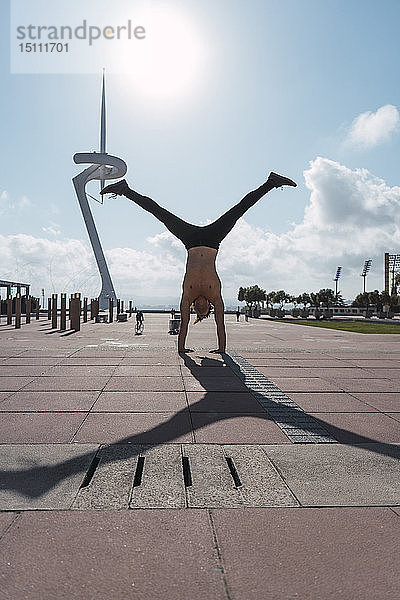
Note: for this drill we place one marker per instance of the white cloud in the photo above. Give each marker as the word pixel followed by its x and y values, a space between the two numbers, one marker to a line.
pixel 53 229
pixel 372 128
pixel 351 216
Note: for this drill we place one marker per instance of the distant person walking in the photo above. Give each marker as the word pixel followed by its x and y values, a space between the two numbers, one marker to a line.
pixel 238 315
pixel 201 284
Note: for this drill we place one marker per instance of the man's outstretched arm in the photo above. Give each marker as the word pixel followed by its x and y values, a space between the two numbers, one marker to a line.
pixel 219 310
pixel 185 316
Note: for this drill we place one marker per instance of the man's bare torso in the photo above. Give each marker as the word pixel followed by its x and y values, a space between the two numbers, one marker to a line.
pixel 201 278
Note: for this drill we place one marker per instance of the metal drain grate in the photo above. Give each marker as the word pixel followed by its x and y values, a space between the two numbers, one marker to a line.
pixel 296 424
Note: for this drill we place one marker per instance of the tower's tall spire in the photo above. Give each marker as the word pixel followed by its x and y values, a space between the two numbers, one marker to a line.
pixel 103 122
pixel 103 115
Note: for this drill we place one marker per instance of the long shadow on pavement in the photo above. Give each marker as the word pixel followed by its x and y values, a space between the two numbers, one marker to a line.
pixel 36 481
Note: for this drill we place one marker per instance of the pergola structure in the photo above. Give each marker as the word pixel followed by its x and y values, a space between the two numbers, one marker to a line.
pixel 15 284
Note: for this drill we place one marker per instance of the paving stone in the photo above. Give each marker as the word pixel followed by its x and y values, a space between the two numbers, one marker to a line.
pixel 6 518
pixel 377 363
pixel 32 361
pixel 156 360
pixel 339 475
pixel 321 363
pixel 341 373
pixel 387 373
pixel 95 361
pixel 45 476
pixel 329 402
pixel 367 385
pixel 212 483
pixel 162 483
pixel 111 484
pixel 66 384
pixel 384 401
pixel 236 428
pixel 80 371
pixel 272 372
pixel 331 554
pixel 88 353
pixel 310 384
pixel 148 371
pixel 140 402
pixel 22 370
pixel 49 401
pixel 135 428
pixel 261 484
pixel 222 402
pixel 111 554
pixel 360 427
pixel 161 355
pixel 214 384
pixel 45 353
pixel 11 384
pixel 361 356
pixel 144 384
pixel 39 428
pixel 200 372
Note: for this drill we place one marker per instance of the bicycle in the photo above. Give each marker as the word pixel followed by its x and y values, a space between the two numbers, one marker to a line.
pixel 139 327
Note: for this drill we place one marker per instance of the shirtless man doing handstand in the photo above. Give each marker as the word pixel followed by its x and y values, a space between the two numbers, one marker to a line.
pixel 201 284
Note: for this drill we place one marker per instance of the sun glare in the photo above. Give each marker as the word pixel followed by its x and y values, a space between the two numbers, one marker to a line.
pixel 170 61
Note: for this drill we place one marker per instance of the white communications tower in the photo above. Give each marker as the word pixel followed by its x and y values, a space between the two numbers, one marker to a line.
pixel 102 166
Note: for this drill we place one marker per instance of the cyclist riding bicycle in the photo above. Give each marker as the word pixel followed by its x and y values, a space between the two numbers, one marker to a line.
pixel 139 321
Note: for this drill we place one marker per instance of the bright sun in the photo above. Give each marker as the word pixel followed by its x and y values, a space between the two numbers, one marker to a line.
pixel 170 61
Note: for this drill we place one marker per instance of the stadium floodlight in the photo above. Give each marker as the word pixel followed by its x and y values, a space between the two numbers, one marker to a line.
pixel 393 267
pixel 366 268
pixel 336 279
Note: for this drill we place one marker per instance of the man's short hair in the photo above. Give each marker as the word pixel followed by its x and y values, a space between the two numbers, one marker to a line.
pixel 198 318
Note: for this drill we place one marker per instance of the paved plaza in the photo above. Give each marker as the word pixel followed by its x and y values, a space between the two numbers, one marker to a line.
pixel 128 471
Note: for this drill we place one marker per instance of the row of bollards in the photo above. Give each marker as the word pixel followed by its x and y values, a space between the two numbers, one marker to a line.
pixel 74 311
pixel 19 306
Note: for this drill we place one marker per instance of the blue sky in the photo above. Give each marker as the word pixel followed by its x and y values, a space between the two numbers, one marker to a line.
pixel 273 86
